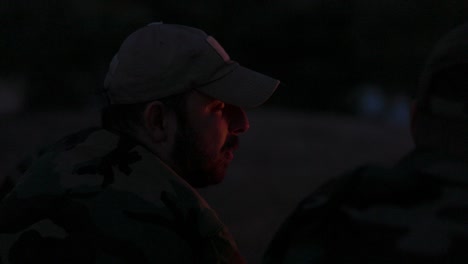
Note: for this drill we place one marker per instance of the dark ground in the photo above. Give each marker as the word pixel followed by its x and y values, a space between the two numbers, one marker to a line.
pixel 284 156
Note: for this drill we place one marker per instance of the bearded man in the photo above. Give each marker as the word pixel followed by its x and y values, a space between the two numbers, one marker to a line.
pixel 124 192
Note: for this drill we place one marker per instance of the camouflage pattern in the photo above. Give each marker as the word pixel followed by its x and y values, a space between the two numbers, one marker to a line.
pixel 416 212
pixel 95 197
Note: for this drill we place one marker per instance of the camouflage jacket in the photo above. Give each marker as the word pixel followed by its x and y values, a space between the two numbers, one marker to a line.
pixel 416 212
pixel 95 197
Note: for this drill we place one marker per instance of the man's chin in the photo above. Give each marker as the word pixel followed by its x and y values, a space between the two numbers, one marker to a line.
pixel 211 173
pixel 201 180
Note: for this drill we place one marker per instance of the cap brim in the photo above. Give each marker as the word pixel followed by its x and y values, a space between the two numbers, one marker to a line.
pixel 241 87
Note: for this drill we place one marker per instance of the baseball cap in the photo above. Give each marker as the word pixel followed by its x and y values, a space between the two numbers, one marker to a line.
pixel 160 60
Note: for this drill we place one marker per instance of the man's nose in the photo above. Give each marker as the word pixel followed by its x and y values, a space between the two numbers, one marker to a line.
pixel 238 120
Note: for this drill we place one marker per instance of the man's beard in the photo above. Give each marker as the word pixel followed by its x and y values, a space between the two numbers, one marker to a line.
pixel 197 167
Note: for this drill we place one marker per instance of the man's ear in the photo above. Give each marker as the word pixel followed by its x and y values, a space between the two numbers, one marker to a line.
pixel 154 118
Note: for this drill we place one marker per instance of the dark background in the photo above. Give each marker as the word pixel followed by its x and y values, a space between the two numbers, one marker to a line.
pixel 323 50
pixel 349 69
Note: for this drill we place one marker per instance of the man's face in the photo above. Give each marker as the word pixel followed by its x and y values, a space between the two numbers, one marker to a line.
pixel 206 138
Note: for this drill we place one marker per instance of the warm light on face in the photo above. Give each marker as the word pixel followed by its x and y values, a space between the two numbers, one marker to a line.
pixel 207 138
